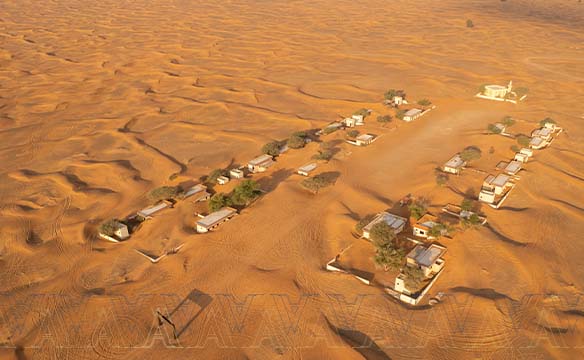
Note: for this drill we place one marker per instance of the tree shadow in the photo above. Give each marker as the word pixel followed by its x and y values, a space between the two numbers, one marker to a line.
pixel 270 183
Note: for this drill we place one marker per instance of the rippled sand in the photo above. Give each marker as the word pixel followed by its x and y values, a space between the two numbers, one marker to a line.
pixel 102 101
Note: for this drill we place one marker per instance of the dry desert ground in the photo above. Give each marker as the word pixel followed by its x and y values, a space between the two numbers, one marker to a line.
pixel 101 101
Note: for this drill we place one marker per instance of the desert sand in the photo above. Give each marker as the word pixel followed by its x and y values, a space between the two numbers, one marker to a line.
pixel 102 101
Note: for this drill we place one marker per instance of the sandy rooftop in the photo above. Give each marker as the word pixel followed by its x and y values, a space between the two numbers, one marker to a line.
pixel 101 101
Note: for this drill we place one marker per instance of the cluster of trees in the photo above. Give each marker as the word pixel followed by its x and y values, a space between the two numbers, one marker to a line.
pixel 317 182
pixel 165 193
pixel 242 195
pixel 272 148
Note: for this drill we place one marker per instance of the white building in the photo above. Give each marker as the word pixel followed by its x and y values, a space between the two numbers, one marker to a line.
pixel 412 114
pixel 307 169
pixel 424 225
pixel 197 192
pixel 260 164
pixel 544 133
pixel 364 139
pixel 359 119
pixel 211 221
pixel 222 180
pixel 454 165
pixel 236 174
pixel 498 91
pixel 495 187
pixel 429 259
pixel 538 143
pixel 147 213
pixel 523 155
pixel 397 223
pixel 121 231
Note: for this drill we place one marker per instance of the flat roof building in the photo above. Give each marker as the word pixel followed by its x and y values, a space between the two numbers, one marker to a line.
pixel 147 213
pixel 494 187
pixel 260 164
pixel 222 180
pixel 513 167
pixel 454 165
pixel 429 259
pixel 214 219
pixel 412 114
pixel 307 169
pixel 236 174
pixel 538 143
pixel 424 225
pixel 364 139
pixel 397 223
pixel 198 192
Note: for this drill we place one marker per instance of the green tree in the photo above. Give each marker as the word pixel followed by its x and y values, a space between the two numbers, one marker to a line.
pixel 424 102
pixel 400 114
pixel 382 235
pixel 466 205
pixel 469 23
pixel 523 140
pixel 325 151
pixel 389 258
pixel 418 208
pixel 384 119
pixel 470 153
pixel 353 133
pixel 508 121
pixel 413 277
pixel 546 121
pixel 441 178
pixel 219 201
pixel 315 183
pixel 297 140
pixel 165 193
pixel 494 129
pixel 437 230
pixel 245 192
pixel 472 220
pixel 272 148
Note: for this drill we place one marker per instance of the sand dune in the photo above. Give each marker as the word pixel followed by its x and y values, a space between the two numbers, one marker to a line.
pixel 103 101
